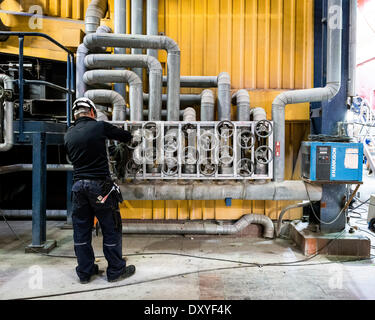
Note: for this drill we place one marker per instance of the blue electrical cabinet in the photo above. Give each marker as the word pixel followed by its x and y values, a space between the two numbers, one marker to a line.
pixel 332 161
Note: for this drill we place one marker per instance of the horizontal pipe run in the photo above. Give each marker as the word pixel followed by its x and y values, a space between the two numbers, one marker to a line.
pixel 29 167
pixel 286 190
pixel 202 228
pixel 27 214
pixel 195 81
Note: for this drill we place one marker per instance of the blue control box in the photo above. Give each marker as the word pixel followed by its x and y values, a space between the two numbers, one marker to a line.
pixel 332 161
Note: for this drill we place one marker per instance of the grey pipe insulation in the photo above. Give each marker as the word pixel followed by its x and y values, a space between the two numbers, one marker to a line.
pixel 148 42
pixel 203 228
pixel 152 23
pixel 96 10
pixel 334 50
pixel 241 98
pixel 121 60
pixel 136 28
pixel 7 83
pixel 121 76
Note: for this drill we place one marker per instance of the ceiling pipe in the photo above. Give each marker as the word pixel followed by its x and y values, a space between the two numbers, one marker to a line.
pixel 137 28
pixel 334 49
pixel 7 83
pixel 286 190
pixel 207 105
pixel 96 10
pixel 242 99
pixel 121 76
pixel 202 228
pixel 144 61
pixel 148 42
pixel 152 21
pixel 109 97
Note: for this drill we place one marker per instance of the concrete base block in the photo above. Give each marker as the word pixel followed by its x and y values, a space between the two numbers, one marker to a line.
pixel 346 244
pixel 45 248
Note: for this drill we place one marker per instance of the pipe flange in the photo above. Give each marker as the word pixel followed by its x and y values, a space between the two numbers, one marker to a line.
pixel 263 155
pixel 263 128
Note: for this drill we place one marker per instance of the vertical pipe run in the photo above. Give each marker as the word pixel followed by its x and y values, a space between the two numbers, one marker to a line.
pixel 352 48
pixel 152 23
pixel 120 27
pixel 137 28
pixel 224 97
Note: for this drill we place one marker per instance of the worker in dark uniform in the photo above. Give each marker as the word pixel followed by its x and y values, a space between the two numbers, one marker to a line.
pixel 94 193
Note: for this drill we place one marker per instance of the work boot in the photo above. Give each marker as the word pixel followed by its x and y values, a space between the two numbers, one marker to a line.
pixel 95 272
pixel 128 271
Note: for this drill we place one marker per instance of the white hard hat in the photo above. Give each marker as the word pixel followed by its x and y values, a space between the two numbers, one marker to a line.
pixel 83 103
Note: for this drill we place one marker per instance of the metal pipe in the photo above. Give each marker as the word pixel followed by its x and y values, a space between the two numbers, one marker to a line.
pixel 334 49
pixel 286 190
pixel 148 42
pixel 202 228
pixel 29 167
pixel 26 214
pixel 121 76
pixel 109 96
pixel 152 23
pixel 7 83
pixel 258 114
pixel 144 61
pixel 196 81
pixel 82 52
pixel 284 210
pixel 120 27
pixel 96 10
pixel 207 105
pixel 189 115
pixel 137 27
pixel 242 99
pixel 352 49
pixel 185 99
pixel 223 97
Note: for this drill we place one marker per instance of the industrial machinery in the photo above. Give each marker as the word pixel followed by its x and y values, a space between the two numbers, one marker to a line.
pixel 332 161
pixel 212 145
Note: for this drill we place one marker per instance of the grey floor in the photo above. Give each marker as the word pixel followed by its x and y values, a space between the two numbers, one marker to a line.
pixel 180 277
pixel 29 275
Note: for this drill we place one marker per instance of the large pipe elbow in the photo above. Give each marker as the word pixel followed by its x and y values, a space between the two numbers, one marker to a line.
pixel 112 97
pixel 9 111
pixel 242 99
pixel 96 10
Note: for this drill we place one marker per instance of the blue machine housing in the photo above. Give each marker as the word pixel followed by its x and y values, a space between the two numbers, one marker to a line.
pixel 332 161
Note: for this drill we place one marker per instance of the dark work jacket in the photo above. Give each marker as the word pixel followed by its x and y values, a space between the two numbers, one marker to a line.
pixel 85 143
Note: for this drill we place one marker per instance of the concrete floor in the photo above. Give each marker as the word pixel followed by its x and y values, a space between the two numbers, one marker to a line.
pixel 26 275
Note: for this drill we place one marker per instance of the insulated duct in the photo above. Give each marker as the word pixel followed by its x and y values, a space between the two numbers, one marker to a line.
pixel 334 49
pixel 82 52
pixel 242 99
pixel 7 83
pixel 109 96
pixel 120 27
pixel 202 228
pixel 121 76
pixel 207 105
pixel 144 61
pixel 286 190
pixel 223 97
pixel 152 23
pixel 96 10
pixel 137 27
pixel 148 42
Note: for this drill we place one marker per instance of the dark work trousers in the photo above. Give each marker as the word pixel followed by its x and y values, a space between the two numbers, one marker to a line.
pixel 85 206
